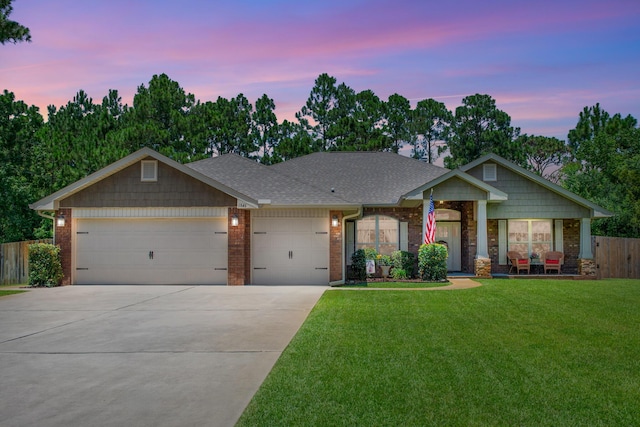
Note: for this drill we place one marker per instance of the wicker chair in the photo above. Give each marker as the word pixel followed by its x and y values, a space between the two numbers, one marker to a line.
pixel 552 261
pixel 518 262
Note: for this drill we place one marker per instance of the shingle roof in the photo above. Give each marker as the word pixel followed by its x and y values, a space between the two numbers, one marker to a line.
pixel 369 178
pixel 264 183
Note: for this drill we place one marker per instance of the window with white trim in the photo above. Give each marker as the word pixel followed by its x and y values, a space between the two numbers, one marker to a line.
pixel 378 232
pixel 530 236
pixel 148 170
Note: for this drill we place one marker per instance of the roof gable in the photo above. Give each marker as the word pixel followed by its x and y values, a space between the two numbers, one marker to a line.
pixel 597 211
pixel 51 202
pixel 492 193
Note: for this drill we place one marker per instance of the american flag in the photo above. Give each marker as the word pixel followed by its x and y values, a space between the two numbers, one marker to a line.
pixel 430 226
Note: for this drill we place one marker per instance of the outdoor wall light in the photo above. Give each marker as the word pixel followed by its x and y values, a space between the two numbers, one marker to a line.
pixel 234 220
pixel 60 221
pixel 334 221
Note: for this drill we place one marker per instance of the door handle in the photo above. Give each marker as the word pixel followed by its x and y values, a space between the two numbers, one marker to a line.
pixel 150 254
pixel 290 254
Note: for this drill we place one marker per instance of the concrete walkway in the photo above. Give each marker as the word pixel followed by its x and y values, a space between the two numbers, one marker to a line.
pixel 142 355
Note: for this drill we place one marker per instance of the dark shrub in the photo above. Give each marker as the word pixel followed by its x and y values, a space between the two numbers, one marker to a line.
pixel 359 264
pixel 45 268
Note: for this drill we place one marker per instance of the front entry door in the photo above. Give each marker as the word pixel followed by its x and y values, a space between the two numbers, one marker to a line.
pixel 449 233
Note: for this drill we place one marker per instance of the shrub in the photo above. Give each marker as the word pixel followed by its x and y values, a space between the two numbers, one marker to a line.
pixel 359 264
pixel 370 253
pixel 45 268
pixel 432 262
pixel 403 260
pixel 399 273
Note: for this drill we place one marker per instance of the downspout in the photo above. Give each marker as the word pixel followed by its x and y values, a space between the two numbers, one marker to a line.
pixel 53 226
pixel 344 248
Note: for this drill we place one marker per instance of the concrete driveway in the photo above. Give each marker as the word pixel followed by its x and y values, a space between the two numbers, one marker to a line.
pixel 142 355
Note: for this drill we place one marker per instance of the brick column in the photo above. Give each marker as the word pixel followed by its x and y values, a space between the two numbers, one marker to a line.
pixel 62 238
pixel 239 248
pixel 336 257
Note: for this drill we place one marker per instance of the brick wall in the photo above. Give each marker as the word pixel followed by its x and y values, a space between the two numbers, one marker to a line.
pixel 239 248
pixel 412 216
pixel 335 248
pixel 63 239
pixel 571 245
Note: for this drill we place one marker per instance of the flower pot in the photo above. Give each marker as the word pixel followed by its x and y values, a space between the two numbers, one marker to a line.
pixel 385 270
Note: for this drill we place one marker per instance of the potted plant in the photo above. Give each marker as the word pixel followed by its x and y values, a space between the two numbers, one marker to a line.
pixel 384 262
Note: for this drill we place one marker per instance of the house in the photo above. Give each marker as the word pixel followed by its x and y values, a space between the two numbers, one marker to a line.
pixel 147 219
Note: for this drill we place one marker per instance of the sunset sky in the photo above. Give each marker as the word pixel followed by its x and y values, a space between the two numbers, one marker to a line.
pixel 542 61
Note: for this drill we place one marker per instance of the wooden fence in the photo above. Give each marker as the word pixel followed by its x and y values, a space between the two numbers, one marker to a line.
pixel 617 257
pixel 14 262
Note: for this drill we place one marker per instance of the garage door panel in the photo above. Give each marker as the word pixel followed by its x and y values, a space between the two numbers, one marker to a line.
pixel 184 251
pixel 290 251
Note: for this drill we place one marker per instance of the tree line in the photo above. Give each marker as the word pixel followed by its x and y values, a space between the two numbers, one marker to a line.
pixel 600 160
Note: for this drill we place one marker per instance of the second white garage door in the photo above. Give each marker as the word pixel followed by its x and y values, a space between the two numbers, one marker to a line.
pixel 290 251
pixel 151 251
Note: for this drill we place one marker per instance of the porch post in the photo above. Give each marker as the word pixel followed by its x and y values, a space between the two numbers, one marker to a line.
pixel 585 239
pixel 482 248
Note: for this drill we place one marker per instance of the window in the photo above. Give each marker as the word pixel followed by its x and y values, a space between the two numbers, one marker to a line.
pixel 530 236
pixel 378 232
pixel 447 215
pixel 149 170
pixel 489 172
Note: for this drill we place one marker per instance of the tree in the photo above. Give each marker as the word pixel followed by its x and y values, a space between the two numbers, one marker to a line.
pixel 398 119
pixel 78 139
pixel 159 119
pixel 19 124
pixel 479 128
pixel 604 166
pixel 430 122
pixel 11 31
pixel 544 154
pixel 322 100
pixel 293 141
pixel 265 128
pixel 368 121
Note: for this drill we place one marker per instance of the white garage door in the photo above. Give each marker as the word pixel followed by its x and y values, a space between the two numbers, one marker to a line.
pixel 151 251
pixel 290 251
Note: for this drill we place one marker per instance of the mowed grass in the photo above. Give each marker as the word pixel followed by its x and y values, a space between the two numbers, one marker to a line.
pixel 404 285
pixel 512 352
pixel 9 292
pixel 4 291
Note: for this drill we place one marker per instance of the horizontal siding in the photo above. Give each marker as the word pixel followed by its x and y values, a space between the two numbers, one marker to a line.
pixel 290 213
pixel 196 212
pixel 457 189
pixel 528 199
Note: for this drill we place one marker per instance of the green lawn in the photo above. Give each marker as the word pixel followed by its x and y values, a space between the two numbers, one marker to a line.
pixel 9 292
pixel 4 291
pixel 387 285
pixel 512 352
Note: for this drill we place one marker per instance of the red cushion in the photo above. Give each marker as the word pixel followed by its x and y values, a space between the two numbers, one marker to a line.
pixel 553 261
pixel 523 261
